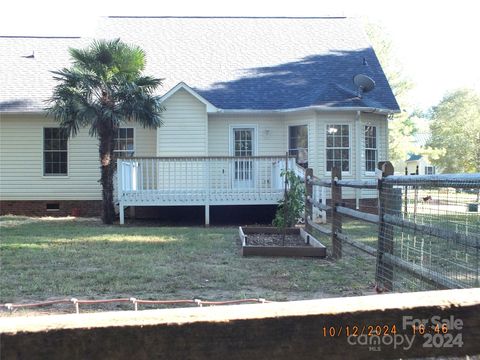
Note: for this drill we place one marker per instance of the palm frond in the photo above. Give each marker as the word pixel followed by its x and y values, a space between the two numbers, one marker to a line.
pixel 104 85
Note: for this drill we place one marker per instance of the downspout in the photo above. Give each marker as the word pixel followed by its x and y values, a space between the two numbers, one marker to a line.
pixel 358 157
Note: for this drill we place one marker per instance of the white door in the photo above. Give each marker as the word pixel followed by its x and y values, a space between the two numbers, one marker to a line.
pixel 243 145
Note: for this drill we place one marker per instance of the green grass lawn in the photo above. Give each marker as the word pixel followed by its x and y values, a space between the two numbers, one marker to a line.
pixel 49 259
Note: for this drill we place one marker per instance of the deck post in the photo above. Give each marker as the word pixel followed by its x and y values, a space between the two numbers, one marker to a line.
pixel 308 199
pixel 122 213
pixel 207 215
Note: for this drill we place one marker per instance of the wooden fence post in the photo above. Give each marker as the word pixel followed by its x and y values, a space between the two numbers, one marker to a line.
pixel 336 217
pixel 308 195
pixel 384 270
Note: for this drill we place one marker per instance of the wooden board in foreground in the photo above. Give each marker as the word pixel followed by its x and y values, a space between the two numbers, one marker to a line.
pixel 311 329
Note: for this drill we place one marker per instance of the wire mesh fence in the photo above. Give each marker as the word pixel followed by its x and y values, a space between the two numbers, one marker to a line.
pixel 434 226
pixel 423 230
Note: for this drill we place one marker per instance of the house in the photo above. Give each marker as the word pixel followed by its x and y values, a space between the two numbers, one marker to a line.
pixel 239 93
pixel 418 162
pixel 419 165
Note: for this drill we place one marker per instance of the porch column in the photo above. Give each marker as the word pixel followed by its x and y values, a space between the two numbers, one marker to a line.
pixel 207 215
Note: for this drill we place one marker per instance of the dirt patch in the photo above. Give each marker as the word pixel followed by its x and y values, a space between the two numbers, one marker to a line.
pixel 275 240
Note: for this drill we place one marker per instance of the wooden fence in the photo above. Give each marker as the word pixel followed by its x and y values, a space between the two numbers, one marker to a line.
pixel 367 327
pixel 389 219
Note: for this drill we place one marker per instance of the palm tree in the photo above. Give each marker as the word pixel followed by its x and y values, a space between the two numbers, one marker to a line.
pixel 103 89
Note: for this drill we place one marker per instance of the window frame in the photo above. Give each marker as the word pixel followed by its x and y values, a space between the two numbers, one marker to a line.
pixel 429 167
pixel 327 126
pixel 289 127
pixel 123 154
pixel 231 138
pixel 67 150
pixel 365 149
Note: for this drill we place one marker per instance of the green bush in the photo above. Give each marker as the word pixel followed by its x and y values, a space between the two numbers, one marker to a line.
pixel 294 202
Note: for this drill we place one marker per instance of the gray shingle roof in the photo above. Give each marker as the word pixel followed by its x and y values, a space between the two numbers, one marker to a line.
pixel 235 63
pixel 414 157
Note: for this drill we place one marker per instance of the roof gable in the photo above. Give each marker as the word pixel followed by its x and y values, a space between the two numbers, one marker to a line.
pixel 210 108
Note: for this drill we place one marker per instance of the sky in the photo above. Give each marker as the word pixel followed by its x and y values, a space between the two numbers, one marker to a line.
pixel 435 41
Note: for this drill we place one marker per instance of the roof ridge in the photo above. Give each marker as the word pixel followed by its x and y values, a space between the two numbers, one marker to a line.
pixel 37 37
pixel 222 17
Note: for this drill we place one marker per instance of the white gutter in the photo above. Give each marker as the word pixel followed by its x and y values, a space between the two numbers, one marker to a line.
pixel 306 108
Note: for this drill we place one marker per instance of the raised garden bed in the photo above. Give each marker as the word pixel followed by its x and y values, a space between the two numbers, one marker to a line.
pixel 267 241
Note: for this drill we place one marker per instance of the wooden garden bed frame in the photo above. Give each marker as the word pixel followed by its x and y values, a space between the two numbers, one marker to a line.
pixel 312 248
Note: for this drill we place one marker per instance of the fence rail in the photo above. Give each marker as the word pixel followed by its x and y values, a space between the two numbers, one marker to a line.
pixel 428 227
pixel 134 301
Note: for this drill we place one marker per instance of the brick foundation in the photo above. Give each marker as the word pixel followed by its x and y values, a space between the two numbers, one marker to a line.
pixel 84 208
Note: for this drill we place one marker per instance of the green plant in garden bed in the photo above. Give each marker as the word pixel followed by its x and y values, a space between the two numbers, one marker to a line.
pixel 292 206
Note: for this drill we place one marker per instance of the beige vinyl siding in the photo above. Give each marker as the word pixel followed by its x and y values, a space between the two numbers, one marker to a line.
pixel 270 135
pixel 184 130
pixel 270 141
pixel 145 140
pixel 21 161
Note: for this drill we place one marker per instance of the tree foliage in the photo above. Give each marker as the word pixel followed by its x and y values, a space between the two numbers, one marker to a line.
pixel 103 89
pixel 455 128
pixel 402 126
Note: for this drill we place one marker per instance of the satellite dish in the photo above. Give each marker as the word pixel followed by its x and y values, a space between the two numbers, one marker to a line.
pixel 364 84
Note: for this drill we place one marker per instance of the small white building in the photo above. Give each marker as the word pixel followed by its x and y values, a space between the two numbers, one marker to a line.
pixel 419 165
pixel 239 94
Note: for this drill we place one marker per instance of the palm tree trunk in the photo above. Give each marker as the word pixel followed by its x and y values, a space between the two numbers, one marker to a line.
pixel 107 166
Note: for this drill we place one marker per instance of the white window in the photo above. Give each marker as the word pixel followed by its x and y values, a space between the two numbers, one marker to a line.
pixel 298 143
pixel 371 151
pixel 338 147
pixel 55 152
pixel 429 170
pixel 124 142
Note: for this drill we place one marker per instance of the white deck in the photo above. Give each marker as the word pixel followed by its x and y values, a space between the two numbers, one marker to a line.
pixel 204 181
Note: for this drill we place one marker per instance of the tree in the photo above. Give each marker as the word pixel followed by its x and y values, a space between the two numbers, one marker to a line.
pixel 402 127
pixel 455 128
pixel 103 89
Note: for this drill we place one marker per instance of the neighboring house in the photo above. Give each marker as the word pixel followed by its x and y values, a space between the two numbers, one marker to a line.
pixel 239 93
pixel 419 165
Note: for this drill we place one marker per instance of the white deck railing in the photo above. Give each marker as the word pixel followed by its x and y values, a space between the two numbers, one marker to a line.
pixel 201 180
